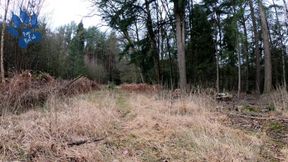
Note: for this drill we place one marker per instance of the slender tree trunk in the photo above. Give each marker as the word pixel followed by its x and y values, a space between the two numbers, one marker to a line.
pixel 217 73
pixel 245 43
pixel 286 14
pixel 218 53
pixel 217 62
pixel 153 43
pixel 286 24
pixel 256 50
pixel 267 52
pixel 239 66
pixel 282 46
pixel 2 71
pixel 134 49
pixel 171 63
pixel 180 36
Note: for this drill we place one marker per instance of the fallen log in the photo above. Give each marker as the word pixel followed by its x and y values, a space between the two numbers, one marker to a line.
pixel 81 142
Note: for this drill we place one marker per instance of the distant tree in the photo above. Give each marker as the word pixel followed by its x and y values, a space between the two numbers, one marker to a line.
pixel 200 56
pixel 267 52
pixel 2 71
pixel 112 53
pixel 214 11
pixel 76 53
pixel 281 40
pixel 152 39
pixel 256 44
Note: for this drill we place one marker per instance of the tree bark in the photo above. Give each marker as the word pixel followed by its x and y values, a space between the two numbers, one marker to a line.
pixel 2 70
pixel 239 65
pixel 256 50
pixel 180 36
pixel 170 62
pixel 267 52
pixel 282 46
pixel 286 14
pixel 152 38
pixel 219 52
pixel 245 43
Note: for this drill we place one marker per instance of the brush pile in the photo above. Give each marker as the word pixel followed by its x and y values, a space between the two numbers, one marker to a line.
pixel 24 91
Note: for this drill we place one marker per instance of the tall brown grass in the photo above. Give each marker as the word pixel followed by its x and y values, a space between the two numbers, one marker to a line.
pixel 133 126
pixel 186 129
pixel 279 99
pixel 45 135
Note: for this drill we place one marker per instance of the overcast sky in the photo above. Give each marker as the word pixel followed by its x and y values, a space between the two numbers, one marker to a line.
pixel 61 12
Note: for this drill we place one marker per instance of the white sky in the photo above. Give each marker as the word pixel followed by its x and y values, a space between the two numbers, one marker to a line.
pixel 61 12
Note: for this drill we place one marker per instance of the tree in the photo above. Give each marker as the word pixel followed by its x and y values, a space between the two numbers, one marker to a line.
pixel 200 48
pixel 152 40
pixel 267 52
pixel 256 44
pixel 179 13
pixel 214 9
pixel 2 71
pixel 112 52
pixel 245 46
pixel 281 39
pixel 76 53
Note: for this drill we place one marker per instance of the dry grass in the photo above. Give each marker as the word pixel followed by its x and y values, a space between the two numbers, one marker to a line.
pixel 44 136
pixel 25 91
pixel 279 99
pixel 135 127
pixel 187 130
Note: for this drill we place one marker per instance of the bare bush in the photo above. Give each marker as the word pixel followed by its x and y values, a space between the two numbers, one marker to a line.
pixel 25 91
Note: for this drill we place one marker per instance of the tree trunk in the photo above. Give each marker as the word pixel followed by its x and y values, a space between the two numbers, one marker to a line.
pixel 2 71
pixel 171 63
pixel 180 36
pixel 267 52
pixel 153 43
pixel 219 52
pixel 245 43
pixel 256 50
pixel 239 65
pixel 217 73
pixel 282 46
pixel 286 14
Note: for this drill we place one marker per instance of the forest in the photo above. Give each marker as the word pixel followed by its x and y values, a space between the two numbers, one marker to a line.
pixel 175 80
pixel 227 45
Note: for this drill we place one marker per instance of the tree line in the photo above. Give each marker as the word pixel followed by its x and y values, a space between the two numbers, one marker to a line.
pixel 227 44
pixel 230 45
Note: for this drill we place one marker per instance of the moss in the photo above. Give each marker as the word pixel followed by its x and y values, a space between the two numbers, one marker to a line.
pixel 249 108
pixel 276 127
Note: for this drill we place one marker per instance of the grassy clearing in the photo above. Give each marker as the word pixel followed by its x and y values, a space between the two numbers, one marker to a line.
pixel 117 126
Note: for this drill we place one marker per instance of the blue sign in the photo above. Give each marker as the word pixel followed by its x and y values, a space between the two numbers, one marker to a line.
pixel 23 27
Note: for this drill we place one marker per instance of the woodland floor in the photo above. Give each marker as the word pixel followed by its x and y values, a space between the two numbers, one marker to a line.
pixel 120 126
pixel 254 115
